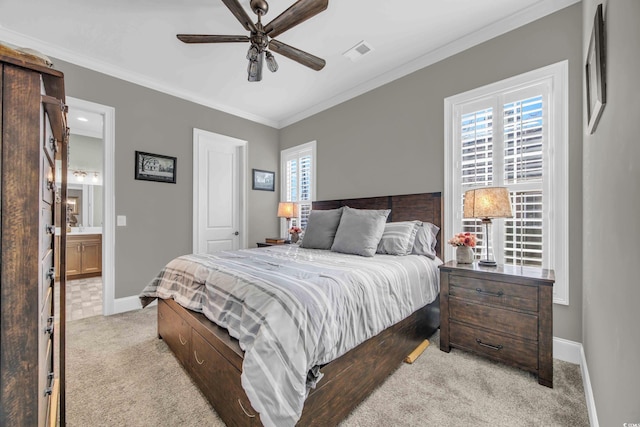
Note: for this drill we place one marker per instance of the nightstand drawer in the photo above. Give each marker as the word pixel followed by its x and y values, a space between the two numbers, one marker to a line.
pixel 501 320
pixel 492 292
pixel 506 349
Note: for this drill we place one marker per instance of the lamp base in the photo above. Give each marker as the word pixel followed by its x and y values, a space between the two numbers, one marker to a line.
pixel 487 263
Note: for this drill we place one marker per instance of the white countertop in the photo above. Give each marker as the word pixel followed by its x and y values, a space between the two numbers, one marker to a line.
pixel 82 230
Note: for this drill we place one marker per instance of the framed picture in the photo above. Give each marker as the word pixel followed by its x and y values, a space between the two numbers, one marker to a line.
pixel 155 167
pixel 263 180
pixel 595 73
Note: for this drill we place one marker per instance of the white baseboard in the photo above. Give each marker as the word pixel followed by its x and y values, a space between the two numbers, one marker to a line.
pixel 573 352
pixel 121 305
pixel 568 351
pixel 588 392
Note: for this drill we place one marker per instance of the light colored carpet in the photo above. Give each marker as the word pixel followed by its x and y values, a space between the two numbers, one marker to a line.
pixel 120 374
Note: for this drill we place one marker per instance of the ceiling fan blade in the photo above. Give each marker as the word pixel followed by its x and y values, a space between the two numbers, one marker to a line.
pixel 203 38
pixel 299 12
pixel 297 55
pixel 240 14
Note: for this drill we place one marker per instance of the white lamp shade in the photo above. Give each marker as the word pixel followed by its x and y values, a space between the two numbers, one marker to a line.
pixel 287 210
pixel 487 202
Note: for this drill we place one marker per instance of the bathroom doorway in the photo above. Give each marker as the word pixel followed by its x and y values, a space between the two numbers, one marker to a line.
pixel 90 188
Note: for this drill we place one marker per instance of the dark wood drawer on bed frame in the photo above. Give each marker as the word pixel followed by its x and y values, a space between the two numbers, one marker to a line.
pixel 205 359
pixel 175 331
pixel 212 353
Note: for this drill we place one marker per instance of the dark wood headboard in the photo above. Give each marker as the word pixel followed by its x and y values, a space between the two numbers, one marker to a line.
pixel 423 206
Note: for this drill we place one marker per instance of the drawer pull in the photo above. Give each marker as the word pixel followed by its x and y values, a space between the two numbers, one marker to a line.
pixel 493 294
pixel 49 328
pixel 53 143
pixel 492 347
pixel 245 411
pixel 49 389
pixel 196 356
pixel 181 341
pixel 51 185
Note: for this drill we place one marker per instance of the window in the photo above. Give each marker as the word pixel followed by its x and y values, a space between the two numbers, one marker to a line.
pixel 514 134
pixel 298 184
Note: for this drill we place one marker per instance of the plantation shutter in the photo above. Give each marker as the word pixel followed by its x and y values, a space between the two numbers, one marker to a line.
pixel 514 134
pixel 298 180
pixel 524 137
pixel 507 150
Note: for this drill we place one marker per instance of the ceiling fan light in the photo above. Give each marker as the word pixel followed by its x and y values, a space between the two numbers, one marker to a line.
pixel 271 62
pixel 252 53
pixel 252 69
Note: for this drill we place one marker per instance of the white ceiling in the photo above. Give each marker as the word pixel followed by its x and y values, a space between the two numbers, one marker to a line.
pixel 135 40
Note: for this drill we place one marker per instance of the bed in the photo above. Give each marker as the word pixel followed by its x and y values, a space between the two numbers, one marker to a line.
pixel 344 374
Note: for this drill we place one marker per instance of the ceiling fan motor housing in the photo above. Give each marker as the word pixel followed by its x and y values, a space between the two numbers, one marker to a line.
pixel 259 7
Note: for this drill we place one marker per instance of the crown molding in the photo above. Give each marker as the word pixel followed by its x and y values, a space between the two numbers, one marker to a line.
pixel 523 17
pixel 97 65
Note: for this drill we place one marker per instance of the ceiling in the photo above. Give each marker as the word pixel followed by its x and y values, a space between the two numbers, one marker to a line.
pixel 136 40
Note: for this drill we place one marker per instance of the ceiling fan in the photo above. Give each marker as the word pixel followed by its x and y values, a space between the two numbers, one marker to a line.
pixel 262 37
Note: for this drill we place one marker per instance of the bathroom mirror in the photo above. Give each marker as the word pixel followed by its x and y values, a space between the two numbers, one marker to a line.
pixel 85 171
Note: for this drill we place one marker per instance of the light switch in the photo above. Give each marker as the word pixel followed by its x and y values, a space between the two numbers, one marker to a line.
pixel 122 220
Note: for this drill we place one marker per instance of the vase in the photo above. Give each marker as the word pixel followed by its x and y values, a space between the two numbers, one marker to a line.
pixel 295 237
pixel 464 254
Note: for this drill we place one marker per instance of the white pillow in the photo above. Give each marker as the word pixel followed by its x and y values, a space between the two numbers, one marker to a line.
pixel 425 243
pixel 398 237
pixel 360 231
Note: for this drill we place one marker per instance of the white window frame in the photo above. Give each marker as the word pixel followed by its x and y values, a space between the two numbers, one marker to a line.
pixel 288 154
pixel 555 161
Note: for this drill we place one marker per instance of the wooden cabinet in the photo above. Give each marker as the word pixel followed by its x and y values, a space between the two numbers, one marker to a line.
pixel 503 313
pixel 84 255
pixel 33 137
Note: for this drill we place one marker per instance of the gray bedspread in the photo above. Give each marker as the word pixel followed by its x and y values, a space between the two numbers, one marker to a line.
pixel 294 309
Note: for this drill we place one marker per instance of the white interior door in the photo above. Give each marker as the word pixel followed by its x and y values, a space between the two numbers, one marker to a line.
pixel 218 196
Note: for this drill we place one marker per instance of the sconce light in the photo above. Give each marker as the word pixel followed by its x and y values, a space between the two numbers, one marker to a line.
pixel 95 177
pixel 80 175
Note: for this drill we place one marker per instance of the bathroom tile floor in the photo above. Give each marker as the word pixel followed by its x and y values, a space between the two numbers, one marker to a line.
pixel 84 298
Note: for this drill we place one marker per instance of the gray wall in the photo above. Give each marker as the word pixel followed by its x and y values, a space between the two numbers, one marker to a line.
pixel 390 140
pixel 159 216
pixel 611 320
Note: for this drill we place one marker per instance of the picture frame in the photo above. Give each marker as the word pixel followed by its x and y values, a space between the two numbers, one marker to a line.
pixel 595 69
pixel 155 167
pixel 263 180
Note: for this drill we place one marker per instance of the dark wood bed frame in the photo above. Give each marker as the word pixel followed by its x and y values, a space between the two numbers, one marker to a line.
pixel 214 360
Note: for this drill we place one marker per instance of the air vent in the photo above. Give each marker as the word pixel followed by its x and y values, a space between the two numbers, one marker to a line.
pixel 358 51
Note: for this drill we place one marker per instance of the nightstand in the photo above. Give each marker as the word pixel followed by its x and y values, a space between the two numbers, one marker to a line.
pixel 270 241
pixel 503 313
pixel 264 245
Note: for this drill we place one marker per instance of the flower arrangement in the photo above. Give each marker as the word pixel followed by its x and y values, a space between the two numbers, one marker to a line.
pixel 295 230
pixel 463 239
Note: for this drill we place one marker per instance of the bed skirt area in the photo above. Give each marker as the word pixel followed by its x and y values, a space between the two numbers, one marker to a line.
pixel 213 360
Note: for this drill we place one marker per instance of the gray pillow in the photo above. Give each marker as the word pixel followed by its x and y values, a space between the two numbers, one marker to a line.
pixel 425 243
pixel 360 231
pixel 321 228
pixel 398 237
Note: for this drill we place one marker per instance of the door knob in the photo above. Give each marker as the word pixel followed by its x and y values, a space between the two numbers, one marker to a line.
pixel 236 233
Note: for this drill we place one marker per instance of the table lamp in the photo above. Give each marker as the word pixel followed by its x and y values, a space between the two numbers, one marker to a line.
pixel 287 210
pixel 486 203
